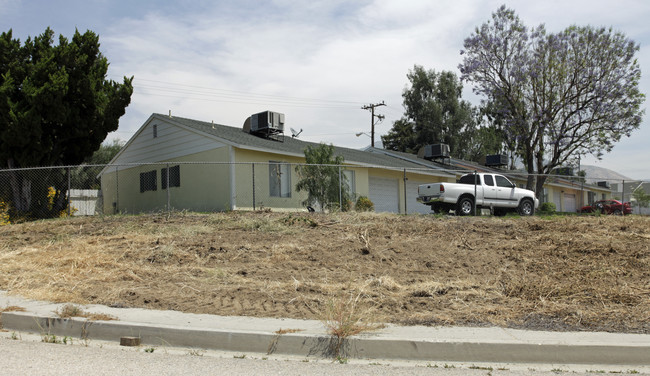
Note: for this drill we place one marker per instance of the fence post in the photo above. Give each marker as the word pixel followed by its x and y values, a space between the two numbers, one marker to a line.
pixel 117 191
pixel 623 192
pixel 475 188
pixel 253 170
pixel 69 201
pixel 169 208
pixel 340 191
pixel 405 194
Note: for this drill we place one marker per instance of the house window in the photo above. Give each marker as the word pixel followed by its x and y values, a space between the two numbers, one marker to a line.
pixel 279 179
pixel 174 177
pixel 155 130
pixel 148 181
pixel 348 180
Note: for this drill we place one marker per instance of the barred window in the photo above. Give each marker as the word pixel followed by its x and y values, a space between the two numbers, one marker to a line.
pixel 148 181
pixel 174 177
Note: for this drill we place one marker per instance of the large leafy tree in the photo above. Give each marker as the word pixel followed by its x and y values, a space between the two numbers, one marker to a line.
pixel 434 112
pixel 56 108
pixel 558 95
pixel 321 177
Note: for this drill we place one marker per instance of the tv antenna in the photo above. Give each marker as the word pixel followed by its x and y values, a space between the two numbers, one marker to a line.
pixel 294 133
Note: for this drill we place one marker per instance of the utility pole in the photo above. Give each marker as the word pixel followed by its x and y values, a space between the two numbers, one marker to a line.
pixel 371 107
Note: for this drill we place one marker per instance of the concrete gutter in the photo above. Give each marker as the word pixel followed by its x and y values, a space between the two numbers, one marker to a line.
pixel 309 338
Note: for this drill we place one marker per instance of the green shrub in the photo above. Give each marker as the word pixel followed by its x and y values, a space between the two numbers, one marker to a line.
pixel 364 204
pixel 4 213
pixel 547 208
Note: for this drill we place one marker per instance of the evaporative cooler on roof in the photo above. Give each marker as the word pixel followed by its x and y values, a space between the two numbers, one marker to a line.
pixel 435 151
pixel 267 124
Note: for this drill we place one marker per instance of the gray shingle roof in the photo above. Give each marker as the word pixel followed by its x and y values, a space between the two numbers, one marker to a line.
pixel 293 146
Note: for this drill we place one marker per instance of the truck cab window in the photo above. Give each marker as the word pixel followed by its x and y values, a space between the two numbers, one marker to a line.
pixel 470 179
pixel 503 182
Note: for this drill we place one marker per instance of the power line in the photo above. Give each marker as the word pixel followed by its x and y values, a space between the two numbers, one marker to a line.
pixel 234 96
pixel 246 101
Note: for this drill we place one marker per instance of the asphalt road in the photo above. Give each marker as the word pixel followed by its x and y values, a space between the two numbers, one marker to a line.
pixel 25 354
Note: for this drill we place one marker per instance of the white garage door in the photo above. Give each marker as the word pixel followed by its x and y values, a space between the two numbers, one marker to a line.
pixel 412 205
pixel 569 203
pixel 384 192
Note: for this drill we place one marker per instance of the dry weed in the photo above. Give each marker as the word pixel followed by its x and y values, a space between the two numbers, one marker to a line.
pixel 12 309
pixel 585 273
pixel 346 316
pixel 71 310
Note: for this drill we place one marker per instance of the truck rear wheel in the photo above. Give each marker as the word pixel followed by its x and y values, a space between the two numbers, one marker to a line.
pixel 526 207
pixel 465 206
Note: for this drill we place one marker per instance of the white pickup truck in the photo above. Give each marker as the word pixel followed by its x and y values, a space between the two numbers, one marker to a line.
pixel 485 190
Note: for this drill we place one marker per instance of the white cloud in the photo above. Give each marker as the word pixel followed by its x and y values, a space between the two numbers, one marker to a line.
pixel 231 58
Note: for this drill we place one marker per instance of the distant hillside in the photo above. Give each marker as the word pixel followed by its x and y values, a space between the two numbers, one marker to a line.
pixel 596 174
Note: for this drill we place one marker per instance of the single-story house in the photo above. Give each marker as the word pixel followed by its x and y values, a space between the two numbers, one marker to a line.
pixel 174 162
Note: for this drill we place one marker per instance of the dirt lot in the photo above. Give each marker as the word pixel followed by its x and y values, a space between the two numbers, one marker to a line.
pixel 555 273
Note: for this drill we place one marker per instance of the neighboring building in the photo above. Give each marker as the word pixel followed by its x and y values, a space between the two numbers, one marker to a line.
pixel 624 191
pixel 568 195
pixel 212 167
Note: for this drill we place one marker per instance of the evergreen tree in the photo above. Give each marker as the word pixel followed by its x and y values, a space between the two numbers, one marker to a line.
pixel 56 108
pixel 434 112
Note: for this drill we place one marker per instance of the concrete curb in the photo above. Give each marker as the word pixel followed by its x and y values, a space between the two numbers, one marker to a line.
pixel 536 349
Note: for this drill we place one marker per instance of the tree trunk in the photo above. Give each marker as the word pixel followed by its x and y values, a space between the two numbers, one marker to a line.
pixel 530 168
pixel 21 189
pixel 539 187
pixel 541 179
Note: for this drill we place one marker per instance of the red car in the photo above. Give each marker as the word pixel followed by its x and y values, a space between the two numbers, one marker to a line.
pixel 608 207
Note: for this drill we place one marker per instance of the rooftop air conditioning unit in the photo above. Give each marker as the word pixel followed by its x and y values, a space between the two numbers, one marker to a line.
pixel 604 184
pixel 435 151
pixel 565 171
pixel 496 160
pixel 267 121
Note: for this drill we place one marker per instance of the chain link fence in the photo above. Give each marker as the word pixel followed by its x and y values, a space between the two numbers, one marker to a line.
pixel 48 192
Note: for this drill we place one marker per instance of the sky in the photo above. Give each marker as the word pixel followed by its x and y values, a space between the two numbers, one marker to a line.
pixel 318 62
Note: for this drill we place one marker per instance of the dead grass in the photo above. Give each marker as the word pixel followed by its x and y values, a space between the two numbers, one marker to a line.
pixel 71 310
pixel 555 273
pixel 12 309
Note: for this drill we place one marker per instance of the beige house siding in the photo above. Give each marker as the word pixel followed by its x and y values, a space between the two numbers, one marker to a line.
pixel 170 144
pixel 203 187
pixel 244 181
